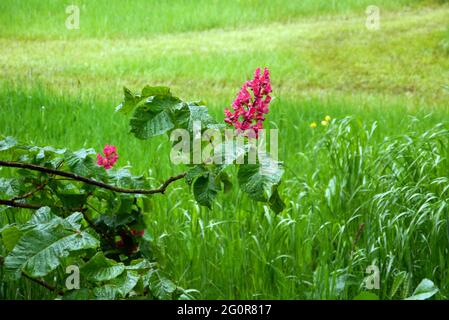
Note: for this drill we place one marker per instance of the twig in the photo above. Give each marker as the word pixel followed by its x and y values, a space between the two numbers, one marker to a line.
pixel 13 203
pixel 30 193
pixel 92 224
pixel 44 284
pixel 74 176
pixel 38 188
pixel 38 281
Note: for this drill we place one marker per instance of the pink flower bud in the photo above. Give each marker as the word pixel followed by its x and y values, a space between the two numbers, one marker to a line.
pixel 110 157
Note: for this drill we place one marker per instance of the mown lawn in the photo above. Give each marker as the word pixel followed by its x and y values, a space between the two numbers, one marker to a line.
pixel 371 188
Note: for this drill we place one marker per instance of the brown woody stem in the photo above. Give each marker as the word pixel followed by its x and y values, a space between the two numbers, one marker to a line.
pixel 13 203
pixel 74 176
pixel 38 281
pixel 44 284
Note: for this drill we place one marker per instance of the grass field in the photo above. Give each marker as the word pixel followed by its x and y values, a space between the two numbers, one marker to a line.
pixel 382 163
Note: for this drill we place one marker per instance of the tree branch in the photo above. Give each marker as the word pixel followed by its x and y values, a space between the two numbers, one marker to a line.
pixel 29 194
pixel 38 281
pixel 13 203
pixel 44 284
pixel 74 176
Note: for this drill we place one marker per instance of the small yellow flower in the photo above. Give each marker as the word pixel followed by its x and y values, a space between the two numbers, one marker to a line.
pixel 324 123
pixel 313 125
pixel 328 119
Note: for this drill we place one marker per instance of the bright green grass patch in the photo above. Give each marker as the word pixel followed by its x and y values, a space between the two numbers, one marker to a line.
pixel 328 57
pixel 33 19
pixel 445 41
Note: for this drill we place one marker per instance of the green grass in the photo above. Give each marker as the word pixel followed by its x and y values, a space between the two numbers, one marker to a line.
pixel 60 88
pixel 140 18
pixel 331 56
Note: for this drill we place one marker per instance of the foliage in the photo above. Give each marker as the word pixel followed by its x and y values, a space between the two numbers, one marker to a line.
pixel 92 216
pixel 156 111
pixel 425 290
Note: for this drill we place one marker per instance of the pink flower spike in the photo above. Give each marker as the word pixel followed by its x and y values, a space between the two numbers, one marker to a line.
pixel 249 109
pixel 110 157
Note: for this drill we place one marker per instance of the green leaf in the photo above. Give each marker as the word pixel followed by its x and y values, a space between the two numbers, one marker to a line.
pixel 224 178
pixel 120 286
pixel 7 143
pixel 10 236
pixel 201 113
pixel 205 190
pixel 123 178
pixel 260 180
pixel 276 203
pixel 72 201
pixel 9 187
pixel 139 264
pixel 184 114
pixel 123 211
pixel 154 117
pixel 397 282
pixel 41 218
pixel 128 104
pixel 131 101
pixel 425 290
pixel 81 163
pixel 181 115
pixel 195 172
pixel 42 151
pixel 162 287
pixel 117 220
pixel 366 295
pixel 148 91
pixel 126 282
pixel 73 221
pixel 100 268
pixel 106 292
pixel 78 294
pixel 41 249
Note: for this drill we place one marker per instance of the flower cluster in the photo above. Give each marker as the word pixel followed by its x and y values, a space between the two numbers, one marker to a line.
pixel 110 157
pixel 128 240
pixel 135 232
pixel 249 110
pixel 324 122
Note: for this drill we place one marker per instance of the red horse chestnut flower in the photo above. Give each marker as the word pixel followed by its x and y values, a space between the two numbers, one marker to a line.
pixel 110 157
pixel 120 243
pixel 135 232
pixel 249 110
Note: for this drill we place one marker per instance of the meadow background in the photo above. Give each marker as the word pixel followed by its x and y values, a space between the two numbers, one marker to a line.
pixel 370 188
